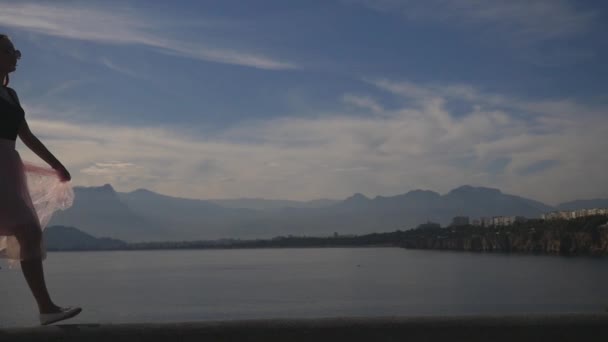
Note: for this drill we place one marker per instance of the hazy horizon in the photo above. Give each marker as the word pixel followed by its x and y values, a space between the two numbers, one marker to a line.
pixel 331 199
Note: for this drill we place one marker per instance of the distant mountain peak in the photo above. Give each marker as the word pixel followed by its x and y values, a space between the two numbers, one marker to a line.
pixel 107 188
pixel 142 191
pixel 357 198
pixel 469 189
pixel 413 195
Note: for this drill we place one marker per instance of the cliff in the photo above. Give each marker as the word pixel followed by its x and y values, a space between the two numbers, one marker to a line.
pixel 584 236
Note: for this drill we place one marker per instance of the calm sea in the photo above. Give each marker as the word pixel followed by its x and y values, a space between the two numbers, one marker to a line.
pixel 192 285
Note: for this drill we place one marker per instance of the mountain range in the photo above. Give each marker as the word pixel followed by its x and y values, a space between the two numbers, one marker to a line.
pixel 143 215
pixel 70 238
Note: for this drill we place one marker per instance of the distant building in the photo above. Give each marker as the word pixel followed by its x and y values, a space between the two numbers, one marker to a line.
pixel 569 215
pixel 487 222
pixel 557 215
pixel 498 221
pixel 507 220
pixel 460 221
pixel 476 222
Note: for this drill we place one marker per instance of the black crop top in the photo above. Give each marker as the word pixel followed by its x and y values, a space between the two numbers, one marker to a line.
pixel 11 116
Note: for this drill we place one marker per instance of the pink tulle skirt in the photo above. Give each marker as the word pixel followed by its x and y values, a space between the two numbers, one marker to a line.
pixel 29 195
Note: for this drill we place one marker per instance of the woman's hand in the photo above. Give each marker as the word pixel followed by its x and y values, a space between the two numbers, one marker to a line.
pixel 63 173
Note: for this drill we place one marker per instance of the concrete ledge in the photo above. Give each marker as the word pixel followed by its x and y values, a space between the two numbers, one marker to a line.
pixel 567 327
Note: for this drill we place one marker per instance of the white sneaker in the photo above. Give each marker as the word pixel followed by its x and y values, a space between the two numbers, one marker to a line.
pixel 65 313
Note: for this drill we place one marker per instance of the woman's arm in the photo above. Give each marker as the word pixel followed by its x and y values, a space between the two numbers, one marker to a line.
pixel 32 142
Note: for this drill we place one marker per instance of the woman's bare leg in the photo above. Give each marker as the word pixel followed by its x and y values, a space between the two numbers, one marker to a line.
pixel 34 275
pixel 29 238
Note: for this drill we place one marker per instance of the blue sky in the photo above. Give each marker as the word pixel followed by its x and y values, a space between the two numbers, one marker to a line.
pixel 318 99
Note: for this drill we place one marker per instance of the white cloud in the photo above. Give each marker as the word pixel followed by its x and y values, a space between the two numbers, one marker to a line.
pixel 122 27
pixel 421 145
pixel 113 66
pixel 117 172
pixel 105 168
pixel 364 102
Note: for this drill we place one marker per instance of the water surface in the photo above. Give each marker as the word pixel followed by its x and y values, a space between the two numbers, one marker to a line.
pixel 193 285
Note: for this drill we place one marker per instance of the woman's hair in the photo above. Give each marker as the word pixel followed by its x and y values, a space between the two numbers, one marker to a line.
pixel 6 78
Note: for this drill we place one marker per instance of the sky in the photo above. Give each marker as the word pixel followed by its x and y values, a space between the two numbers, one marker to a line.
pixel 309 99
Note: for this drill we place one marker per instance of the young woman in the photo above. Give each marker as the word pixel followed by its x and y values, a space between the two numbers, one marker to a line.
pixel 22 221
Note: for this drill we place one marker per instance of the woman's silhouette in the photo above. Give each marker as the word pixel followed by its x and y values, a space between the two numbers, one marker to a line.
pixel 20 223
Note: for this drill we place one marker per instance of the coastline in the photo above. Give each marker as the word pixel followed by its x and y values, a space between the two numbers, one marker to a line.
pixel 581 237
